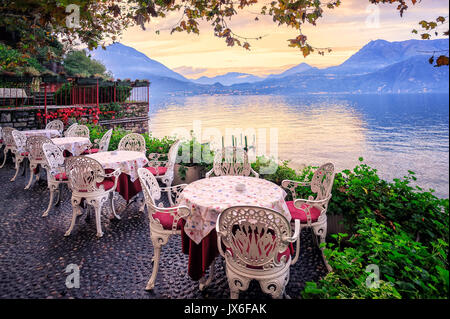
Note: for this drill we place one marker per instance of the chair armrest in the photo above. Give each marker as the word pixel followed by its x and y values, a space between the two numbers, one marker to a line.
pixel 292 185
pixel 296 234
pixel 320 204
pixel 219 240
pixel 208 174
pixel 299 202
pixel 115 174
pixel 254 172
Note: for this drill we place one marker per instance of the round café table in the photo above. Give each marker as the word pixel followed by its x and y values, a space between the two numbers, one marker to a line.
pixel 74 145
pixel 129 162
pixel 207 198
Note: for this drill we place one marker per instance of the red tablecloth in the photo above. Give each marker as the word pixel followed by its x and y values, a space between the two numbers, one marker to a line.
pixel 200 255
pixel 125 187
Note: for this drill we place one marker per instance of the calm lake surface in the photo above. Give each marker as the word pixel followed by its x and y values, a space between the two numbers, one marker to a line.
pixel 393 133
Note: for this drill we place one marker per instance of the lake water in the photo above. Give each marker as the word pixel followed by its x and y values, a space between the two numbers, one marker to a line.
pixel 393 133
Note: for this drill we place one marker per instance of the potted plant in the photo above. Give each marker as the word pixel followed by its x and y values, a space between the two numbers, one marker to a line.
pixel 189 167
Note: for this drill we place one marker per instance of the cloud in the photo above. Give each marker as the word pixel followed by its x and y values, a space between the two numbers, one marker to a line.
pixel 189 71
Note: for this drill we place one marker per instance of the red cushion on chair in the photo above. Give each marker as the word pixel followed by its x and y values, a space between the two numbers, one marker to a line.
pixel 157 171
pixel 91 151
pixel 300 213
pixel 107 183
pixel 24 154
pixel 61 177
pixel 166 220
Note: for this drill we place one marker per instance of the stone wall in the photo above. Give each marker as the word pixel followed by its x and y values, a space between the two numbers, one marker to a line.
pixel 24 118
pixel 132 124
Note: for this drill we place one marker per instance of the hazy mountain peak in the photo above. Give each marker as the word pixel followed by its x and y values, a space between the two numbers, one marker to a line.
pixel 126 62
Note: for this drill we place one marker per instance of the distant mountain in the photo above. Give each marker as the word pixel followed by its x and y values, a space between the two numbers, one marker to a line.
pixel 413 75
pixel 229 78
pixel 302 67
pixel 379 67
pixel 381 53
pixel 126 62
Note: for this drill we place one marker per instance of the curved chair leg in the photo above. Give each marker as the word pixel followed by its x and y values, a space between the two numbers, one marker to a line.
pixel 98 214
pixel 53 188
pixel 206 282
pixel 322 233
pixel 275 286
pixel 18 161
pixel 59 198
pixel 5 153
pixel 75 213
pixel 236 282
pixel 111 203
pixel 297 249
pixel 156 256
pixel 30 181
pixel 234 294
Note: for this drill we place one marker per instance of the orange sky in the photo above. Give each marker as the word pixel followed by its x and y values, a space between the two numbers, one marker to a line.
pixel 345 29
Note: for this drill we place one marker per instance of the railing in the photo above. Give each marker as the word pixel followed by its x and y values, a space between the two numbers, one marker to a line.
pixel 71 92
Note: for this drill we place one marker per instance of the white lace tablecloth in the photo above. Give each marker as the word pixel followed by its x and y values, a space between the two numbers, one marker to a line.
pixel 208 197
pixel 46 133
pixel 75 145
pixel 129 162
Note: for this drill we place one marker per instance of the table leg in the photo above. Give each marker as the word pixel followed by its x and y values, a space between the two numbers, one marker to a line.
pixel 205 282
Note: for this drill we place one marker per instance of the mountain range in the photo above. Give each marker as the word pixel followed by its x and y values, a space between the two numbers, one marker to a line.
pixel 378 67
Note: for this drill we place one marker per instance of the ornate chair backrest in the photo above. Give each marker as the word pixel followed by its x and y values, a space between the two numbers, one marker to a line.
pixel 55 125
pixel 69 130
pixel 132 142
pixel 231 161
pixel 150 188
pixel 84 174
pixel 322 181
pixel 79 131
pixel 20 141
pixel 103 145
pixel 34 147
pixel 255 236
pixel 172 155
pixel 8 139
pixel 55 158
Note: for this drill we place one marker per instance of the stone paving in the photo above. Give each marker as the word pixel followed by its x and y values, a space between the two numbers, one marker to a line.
pixel 34 253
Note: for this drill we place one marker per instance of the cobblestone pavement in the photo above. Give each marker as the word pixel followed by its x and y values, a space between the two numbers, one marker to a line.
pixel 34 253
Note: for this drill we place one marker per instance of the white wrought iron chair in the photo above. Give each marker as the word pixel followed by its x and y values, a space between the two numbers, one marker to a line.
pixel 164 222
pixel 56 172
pixel 55 125
pixel 132 142
pixel 256 242
pixel 164 169
pixel 79 131
pixel 231 160
pixel 312 212
pixel 9 143
pixel 36 156
pixel 103 144
pixel 88 181
pixel 69 130
pixel 19 151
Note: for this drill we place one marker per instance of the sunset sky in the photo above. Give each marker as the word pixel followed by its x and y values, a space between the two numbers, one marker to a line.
pixel 345 29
